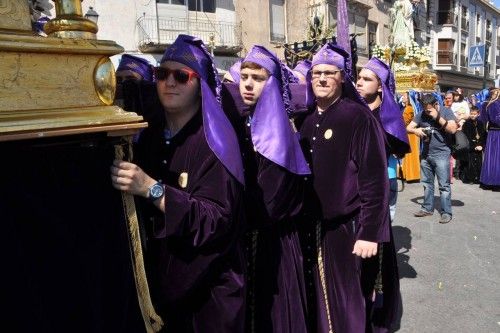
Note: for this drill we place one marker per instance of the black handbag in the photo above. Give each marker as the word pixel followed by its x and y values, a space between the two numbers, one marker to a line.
pixel 460 146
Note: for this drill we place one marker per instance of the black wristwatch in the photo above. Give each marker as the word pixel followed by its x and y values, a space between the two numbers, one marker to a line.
pixel 156 191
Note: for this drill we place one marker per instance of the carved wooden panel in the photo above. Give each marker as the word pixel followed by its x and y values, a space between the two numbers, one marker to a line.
pixel 31 81
pixel 14 15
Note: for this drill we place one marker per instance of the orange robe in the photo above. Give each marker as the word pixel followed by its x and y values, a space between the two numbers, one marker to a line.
pixel 411 161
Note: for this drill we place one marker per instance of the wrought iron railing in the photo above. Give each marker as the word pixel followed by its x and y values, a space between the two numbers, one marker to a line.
pixel 446 58
pixel 447 17
pixel 164 31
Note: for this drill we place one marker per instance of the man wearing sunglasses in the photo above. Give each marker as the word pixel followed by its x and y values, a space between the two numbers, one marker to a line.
pixel 347 196
pixel 188 177
pixel 274 170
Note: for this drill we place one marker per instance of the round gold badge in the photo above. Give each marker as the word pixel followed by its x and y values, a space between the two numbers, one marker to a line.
pixel 183 179
pixel 328 134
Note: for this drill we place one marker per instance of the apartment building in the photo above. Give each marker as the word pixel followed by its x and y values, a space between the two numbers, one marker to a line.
pixel 146 28
pixel 453 27
pixel 231 27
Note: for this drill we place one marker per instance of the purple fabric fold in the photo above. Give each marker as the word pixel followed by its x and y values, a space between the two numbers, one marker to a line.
pixel 272 134
pixel 219 133
pixel 234 71
pixel 390 114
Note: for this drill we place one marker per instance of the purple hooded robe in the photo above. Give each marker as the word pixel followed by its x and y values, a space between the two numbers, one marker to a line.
pixel 347 201
pixel 274 176
pixel 195 254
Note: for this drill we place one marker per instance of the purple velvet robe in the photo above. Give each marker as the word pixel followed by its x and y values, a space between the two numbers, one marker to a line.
pixel 273 199
pixel 195 255
pixel 490 171
pixel 349 195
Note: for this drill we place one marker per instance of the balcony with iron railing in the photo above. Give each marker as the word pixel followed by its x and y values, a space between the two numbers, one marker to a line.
pixel 445 57
pixel 465 25
pixel 447 17
pixel 155 34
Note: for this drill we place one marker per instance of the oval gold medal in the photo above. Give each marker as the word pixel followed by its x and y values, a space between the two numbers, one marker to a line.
pixel 183 179
pixel 328 134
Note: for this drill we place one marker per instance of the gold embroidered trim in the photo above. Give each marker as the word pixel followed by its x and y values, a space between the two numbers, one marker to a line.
pixel 253 268
pixel 322 277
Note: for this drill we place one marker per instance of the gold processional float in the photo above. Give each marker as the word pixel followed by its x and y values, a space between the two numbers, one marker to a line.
pixel 58 128
pixel 410 64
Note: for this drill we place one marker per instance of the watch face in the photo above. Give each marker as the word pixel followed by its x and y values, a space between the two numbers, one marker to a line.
pixel 156 191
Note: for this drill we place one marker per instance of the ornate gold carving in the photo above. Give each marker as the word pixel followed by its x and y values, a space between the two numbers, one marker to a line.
pixel 44 81
pixel 69 22
pixel 40 123
pixel 14 15
pixel 419 80
pixel 55 86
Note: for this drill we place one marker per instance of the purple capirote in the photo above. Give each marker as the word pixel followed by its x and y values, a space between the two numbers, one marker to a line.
pixel 303 67
pixel 331 54
pixel 272 134
pixel 191 51
pixel 390 113
pixel 138 65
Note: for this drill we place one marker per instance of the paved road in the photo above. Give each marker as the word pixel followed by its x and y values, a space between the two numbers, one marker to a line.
pixel 450 274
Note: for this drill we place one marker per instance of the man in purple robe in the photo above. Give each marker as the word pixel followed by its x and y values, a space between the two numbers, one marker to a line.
pixel 348 192
pixel 274 176
pixel 190 177
pixel 380 274
pixel 490 114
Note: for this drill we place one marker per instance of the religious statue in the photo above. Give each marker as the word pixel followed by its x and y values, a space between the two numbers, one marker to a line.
pixel 401 31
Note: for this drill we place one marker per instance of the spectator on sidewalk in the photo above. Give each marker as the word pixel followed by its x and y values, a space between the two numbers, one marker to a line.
pixel 433 126
pixel 475 131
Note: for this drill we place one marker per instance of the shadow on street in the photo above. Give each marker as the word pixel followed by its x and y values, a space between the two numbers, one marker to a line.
pixel 437 201
pixel 402 242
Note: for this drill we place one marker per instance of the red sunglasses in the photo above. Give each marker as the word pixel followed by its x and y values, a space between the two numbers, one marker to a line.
pixel 182 75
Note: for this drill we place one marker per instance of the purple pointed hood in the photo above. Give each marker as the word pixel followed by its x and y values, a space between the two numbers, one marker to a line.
pixel 272 134
pixel 303 67
pixel 390 114
pixel 191 51
pixel 138 65
pixel 234 71
pixel 331 54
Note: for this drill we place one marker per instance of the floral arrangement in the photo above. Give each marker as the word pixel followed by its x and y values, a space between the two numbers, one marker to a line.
pixel 404 56
pixel 412 51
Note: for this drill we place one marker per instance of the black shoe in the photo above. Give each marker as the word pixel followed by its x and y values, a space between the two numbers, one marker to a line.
pixel 422 213
pixel 445 218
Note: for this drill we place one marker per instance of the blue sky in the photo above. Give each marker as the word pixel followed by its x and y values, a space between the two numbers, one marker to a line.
pixel 497 3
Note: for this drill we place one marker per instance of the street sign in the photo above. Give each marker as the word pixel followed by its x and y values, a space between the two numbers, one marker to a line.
pixel 476 56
